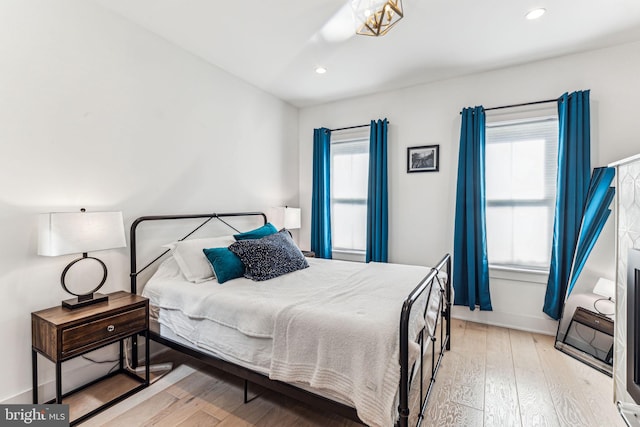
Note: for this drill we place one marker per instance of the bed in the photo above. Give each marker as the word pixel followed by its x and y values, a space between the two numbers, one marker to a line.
pixel 379 330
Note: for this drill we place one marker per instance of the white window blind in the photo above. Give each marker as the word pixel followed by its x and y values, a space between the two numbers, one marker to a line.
pixel 349 188
pixel 521 167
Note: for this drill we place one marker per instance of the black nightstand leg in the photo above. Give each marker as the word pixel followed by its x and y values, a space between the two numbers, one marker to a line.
pixel 121 365
pixel 146 356
pixel 134 351
pixel 564 339
pixel 34 375
pixel 609 358
pixel 58 382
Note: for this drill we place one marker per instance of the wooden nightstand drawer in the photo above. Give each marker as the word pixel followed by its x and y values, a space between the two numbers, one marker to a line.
pixel 94 333
pixel 594 321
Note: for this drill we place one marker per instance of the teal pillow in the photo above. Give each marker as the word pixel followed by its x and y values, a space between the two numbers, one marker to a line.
pixel 225 263
pixel 258 233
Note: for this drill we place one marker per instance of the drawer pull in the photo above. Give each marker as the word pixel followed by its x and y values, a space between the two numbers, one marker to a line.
pixel 111 328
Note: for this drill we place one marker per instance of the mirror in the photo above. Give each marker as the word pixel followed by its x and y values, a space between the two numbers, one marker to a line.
pixel 585 330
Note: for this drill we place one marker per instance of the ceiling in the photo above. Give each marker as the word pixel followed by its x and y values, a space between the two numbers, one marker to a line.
pixel 276 45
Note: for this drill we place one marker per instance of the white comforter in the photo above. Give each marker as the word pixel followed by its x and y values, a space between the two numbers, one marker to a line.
pixel 334 325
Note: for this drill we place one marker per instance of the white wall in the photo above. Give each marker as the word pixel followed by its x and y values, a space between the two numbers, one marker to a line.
pixel 98 113
pixel 421 218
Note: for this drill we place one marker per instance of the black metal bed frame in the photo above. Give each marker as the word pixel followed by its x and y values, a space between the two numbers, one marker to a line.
pixel 443 320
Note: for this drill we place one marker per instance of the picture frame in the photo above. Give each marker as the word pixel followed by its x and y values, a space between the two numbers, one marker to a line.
pixel 425 158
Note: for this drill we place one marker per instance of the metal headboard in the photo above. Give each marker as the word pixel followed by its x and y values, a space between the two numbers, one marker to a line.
pixel 207 218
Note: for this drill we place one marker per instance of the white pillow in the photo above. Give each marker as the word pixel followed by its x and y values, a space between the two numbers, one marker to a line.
pixel 193 263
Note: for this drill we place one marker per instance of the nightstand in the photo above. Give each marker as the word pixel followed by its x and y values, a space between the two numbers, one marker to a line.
pixel 60 334
pixel 595 321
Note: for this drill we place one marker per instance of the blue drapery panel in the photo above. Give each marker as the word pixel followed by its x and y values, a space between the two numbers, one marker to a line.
pixel 377 201
pixel 596 213
pixel 470 262
pixel 574 167
pixel 321 198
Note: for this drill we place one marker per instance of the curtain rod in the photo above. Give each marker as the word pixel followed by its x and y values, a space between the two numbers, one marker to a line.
pixel 353 127
pixel 545 101
pixel 350 127
pixel 521 105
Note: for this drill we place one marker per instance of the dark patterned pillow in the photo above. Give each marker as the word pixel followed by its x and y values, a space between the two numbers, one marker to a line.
pixel 270 256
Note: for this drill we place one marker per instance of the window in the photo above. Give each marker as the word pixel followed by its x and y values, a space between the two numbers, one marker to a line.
pixel 349 189
pixel 521 167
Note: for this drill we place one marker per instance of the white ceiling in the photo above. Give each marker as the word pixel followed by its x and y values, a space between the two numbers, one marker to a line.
pixel 276 45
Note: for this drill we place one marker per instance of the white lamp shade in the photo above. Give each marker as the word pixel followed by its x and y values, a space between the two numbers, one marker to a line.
pixel 61 233
pixel 285 217
pixel 605 288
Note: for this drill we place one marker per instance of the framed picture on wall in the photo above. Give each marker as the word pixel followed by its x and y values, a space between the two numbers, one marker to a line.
pixel 425 158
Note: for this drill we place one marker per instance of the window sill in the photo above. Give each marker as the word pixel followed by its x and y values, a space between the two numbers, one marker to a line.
pixel 518 274
pixel 347 255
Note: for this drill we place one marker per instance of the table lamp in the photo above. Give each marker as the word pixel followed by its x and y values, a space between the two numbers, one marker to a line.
pixel 285 217
pixel 62 233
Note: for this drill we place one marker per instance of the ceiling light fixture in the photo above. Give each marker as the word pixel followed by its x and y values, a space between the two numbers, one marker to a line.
pixel 535 13
pixel 321 70
pixel 376 17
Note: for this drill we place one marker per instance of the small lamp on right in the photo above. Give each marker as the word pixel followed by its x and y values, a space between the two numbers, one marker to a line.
pixel 285 217
pixel 607 290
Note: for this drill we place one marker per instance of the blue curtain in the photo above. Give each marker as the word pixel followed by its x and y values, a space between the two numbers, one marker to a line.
pixel 470 262
pixel 596 213
pixel 574 167
pixel 377 202
pixel 321 200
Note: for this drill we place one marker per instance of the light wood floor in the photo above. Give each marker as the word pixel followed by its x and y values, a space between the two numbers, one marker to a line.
pixel 491 377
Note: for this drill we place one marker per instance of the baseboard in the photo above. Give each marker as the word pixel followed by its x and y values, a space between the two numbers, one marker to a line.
pixel 538 325
pixel 82 372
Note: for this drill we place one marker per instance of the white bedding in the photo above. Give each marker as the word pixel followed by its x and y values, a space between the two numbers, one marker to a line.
pixel 353 310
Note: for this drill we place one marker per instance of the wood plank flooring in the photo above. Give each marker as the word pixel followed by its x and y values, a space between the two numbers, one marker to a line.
pixel 491 377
